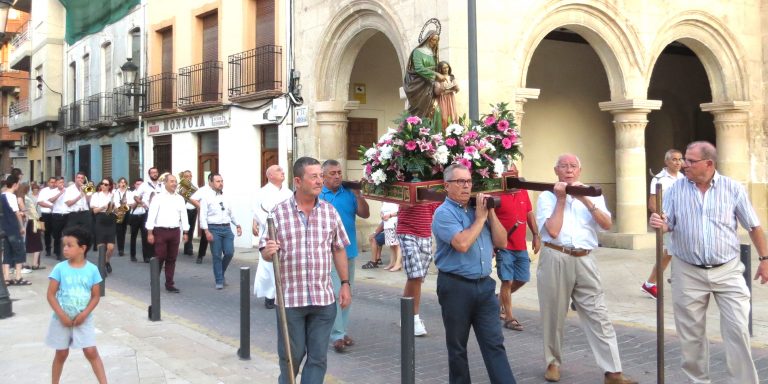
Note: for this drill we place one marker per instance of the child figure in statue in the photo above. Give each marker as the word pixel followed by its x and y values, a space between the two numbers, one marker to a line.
pixel 444 92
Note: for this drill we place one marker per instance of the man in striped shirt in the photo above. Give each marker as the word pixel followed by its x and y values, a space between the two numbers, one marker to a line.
pixel 311 236
pixel 701 212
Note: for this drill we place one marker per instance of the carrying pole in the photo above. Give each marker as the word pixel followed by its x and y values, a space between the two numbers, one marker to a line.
pixel 272 233
pixel 659 292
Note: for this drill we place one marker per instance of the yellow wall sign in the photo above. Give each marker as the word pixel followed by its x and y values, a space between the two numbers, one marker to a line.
pixel 359 92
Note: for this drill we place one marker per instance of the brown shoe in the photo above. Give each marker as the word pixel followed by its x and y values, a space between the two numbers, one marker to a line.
pixel 552 374
pixel 339 346
pixel 620 379
pixel 348 341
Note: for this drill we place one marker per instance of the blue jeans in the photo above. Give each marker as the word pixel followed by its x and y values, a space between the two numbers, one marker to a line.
pixel 223 242
pixel 472 303
pixel 308 330
pixel 342 315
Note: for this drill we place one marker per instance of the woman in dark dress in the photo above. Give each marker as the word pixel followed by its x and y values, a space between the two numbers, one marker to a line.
pixel 104 218
pixel 33 235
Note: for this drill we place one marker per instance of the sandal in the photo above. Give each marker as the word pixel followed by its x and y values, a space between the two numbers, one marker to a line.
pixel 370 265
pixel 513 324
pixel 36 267
pixel 22 282
pixel 8 283
pixel 379 262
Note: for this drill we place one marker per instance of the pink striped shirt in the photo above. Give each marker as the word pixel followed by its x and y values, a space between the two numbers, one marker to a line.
pixel 306 251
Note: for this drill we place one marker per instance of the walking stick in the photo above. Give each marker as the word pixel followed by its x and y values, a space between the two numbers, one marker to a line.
pixel 659 293
pixel 272 233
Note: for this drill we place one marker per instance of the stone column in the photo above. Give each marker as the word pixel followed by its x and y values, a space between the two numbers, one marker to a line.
pixel 630 118
pixel 731 119
pixel 522 95
pixel 331 132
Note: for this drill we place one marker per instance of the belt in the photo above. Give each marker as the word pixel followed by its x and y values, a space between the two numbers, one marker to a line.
pixel 462 278
pixel 709 266
pixel 59 214
pixel 168 228
pixel 576 252
pixel 81 211
pixel 218 225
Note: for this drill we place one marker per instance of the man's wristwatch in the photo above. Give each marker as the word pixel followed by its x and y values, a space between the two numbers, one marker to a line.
pixel 345 282
pixel 761 258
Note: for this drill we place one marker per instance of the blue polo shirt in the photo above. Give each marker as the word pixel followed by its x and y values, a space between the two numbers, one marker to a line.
pixel 451 218
pixel 346 204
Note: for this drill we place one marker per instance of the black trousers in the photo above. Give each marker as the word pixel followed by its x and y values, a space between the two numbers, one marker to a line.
pixel 120 230
pixel 83 219
pixel 147 249
pixel 46 217
pixel 192 217
pixel 58 222
pixel 136 222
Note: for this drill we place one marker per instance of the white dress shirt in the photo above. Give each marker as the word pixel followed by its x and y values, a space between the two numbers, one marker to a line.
pixel 387 209
pixel 60 205
pixel 71 193
pixel 101 200
pixel 167 210
pixel 45 194
pixel 665 179
pixel 202 193
pixel 146 191
pixel 267 197
pixel 579 229
pixel 13 201
pixel 216 209
pixel 117 197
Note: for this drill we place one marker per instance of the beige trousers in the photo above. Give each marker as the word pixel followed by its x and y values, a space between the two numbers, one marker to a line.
pixel 691 289
pixel 561 277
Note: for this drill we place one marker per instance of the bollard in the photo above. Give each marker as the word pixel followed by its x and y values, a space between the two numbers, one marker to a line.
pixel 407 342
pixel 102 269
pixel 746 259
pixel 154 284
pixel 244 352
pixel 6 306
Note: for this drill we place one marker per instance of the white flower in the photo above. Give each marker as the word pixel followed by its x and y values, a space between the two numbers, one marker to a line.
pixel 378 177
pixel 441 155
pixel 370 153
pixel 498 167
pixel 454 129
pixel 385 152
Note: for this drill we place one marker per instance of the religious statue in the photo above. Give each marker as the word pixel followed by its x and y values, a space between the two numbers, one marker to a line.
pixel 422 73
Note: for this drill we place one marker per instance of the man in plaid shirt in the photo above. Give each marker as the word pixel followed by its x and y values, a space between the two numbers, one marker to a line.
pixel 310 235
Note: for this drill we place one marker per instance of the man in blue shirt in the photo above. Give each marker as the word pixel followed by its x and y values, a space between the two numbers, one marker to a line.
pixel 466 292
pixel 349 204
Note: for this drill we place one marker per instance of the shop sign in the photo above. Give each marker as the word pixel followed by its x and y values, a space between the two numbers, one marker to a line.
pixel 188 123
pixel 300 119
pixel 17 153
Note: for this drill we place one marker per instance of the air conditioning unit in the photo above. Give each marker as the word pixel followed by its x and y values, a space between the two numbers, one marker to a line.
pixel 24 141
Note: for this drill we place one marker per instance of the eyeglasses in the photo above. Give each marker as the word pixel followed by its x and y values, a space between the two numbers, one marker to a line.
pixel 105 184
pixel 221 203
pixel 463 182
pixel 691 162
pixel 567 166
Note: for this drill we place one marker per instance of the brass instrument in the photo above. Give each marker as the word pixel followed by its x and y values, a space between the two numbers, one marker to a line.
pixel 122 209
pixel 88 188
pixel 186 188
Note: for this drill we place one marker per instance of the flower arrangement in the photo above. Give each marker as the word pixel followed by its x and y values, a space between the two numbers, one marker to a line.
pixel 413 150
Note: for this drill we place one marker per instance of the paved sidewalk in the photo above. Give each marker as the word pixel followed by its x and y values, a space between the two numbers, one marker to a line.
pixel 134 349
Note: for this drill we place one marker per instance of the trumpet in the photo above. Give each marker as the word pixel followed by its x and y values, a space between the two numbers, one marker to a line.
pixel 186 188
pixel 88 188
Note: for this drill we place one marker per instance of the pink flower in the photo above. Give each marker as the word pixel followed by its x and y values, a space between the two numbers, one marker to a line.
pixel 424 131
pixel 470 149
pixel 450 142
pixel 425 147
pixel 413 120
pixel 490 120
pixel 507 143
pixel 465 162
pixel 471 135
pixel 410 145
pixel 483 172
pixel 503 125
pixel 368 169
pixel 487 157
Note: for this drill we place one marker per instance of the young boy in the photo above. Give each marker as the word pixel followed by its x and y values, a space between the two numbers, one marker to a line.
pixel 73 293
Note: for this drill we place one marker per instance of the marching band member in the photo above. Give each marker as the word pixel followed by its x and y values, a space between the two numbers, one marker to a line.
pixel 102 204
pixel 143 198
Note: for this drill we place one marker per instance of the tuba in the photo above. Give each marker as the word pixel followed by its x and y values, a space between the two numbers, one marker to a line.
pixel 88 188
pixel 186 188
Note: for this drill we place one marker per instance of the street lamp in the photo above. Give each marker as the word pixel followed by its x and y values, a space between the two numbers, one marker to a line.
pixel 130 73
pixel 5 8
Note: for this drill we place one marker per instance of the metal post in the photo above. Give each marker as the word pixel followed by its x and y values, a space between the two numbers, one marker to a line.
pixel 6 306
pixel 746 259
pixel 102 269
pixel 407 342
pixel 244 352
pixel 154 284
pixel 659 293
pixel 474 113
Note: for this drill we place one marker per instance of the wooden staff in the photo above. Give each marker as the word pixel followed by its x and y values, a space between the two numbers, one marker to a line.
pixel 575 190
pixel 432 195
pixel 272 233
pixel 659 293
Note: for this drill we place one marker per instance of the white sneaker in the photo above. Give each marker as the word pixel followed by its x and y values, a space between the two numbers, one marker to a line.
pixel 418 328
pixel 25 271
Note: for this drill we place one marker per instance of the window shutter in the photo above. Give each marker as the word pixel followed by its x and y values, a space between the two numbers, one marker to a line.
pixel 211 37
pixel 265 22
pixel 106 161
pixel 167 48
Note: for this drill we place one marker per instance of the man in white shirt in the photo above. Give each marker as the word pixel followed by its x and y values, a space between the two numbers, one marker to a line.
pixel 59 215
pixel 78 203
pixel 167 215
pixel 43 197
pixel 266 198
pixel 196 200
pixel 216 221
pixel 673 160
pixel 136 218
pixel 143 197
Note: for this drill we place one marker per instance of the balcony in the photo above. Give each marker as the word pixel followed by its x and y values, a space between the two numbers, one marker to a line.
pixel 200 85
pixel 256 74
pixel 160 93
pixel 5 132
pixel 69 118
pixel 21 49
pixel 19 116
pixel 98 110
pixel 126 103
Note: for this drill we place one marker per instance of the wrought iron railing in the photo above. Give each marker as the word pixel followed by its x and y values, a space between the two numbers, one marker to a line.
pixel 18 107
pixel 200 84
pixel 70 117
pixel 160 93
pixel 22 35
pixel 126 101
pixel 99 109
pixel 256 70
